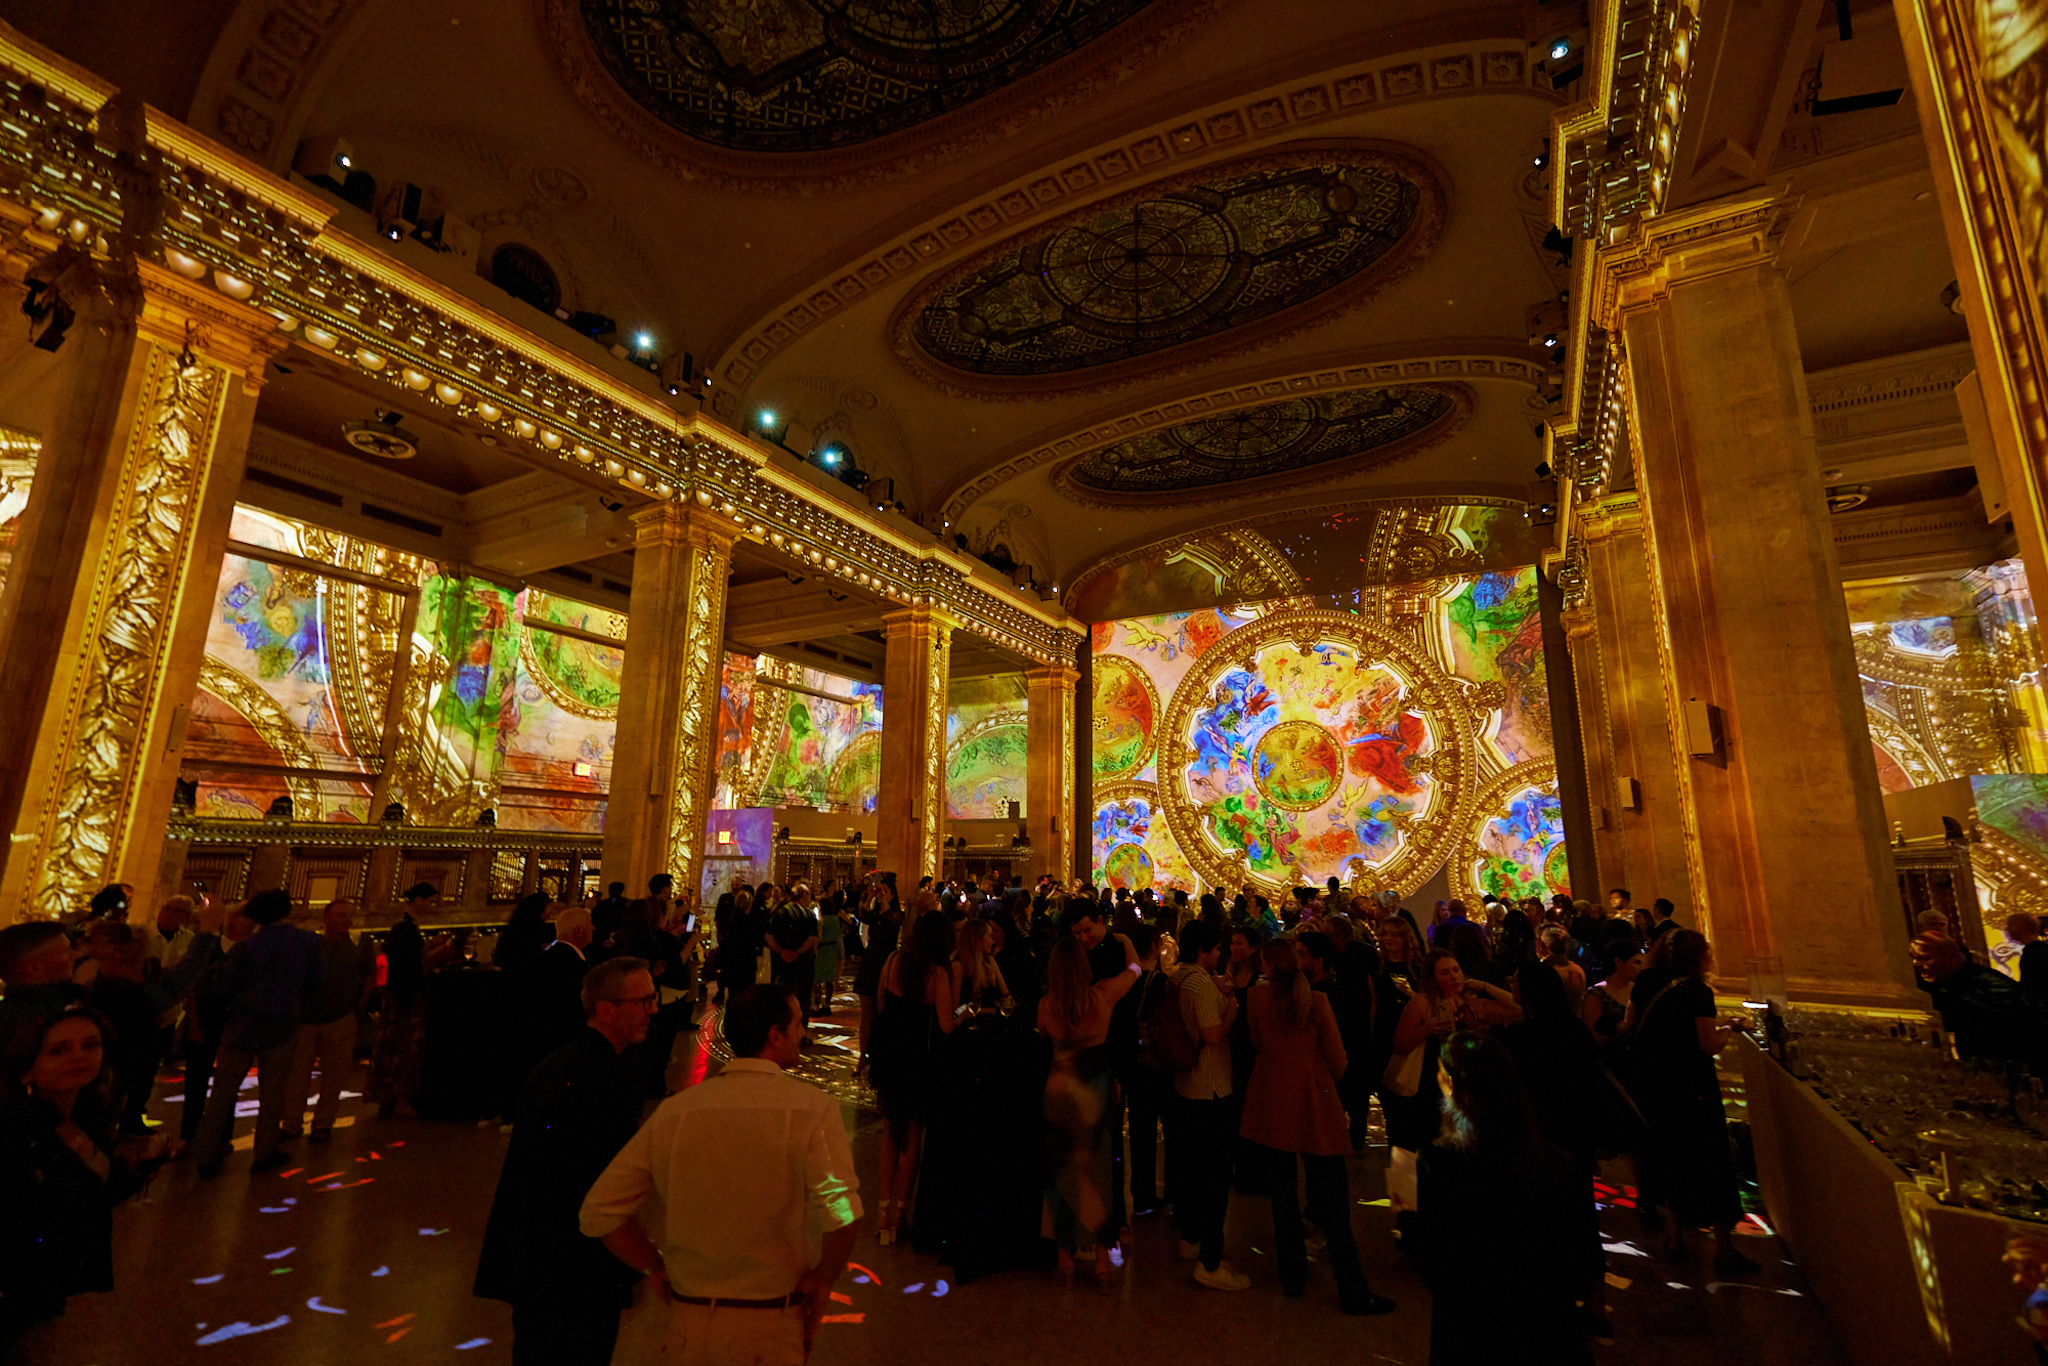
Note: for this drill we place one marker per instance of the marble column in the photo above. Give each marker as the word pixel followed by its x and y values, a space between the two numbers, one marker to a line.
pixel 668 697
pixel 1784 829
pixel 104 616
pixel 1612 637
pixel 1049 770
pixel 910 803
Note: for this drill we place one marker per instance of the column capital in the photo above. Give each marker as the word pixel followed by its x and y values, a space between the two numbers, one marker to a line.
pixel 1610 515
pixel 1052 675
pixel 1690 244
pixel 926 616
pixel 178 312
pixel 677 523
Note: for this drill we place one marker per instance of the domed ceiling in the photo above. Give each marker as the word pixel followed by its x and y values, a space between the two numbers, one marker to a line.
pixel 1179 262
pixel 813 75
pixel 1275 443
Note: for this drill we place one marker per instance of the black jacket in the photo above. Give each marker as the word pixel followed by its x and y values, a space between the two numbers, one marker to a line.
pixel 577 1110
pixel 57 1235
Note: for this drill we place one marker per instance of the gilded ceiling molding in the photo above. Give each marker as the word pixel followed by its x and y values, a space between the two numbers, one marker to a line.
pixel 1099 65
pixel 1540 774
pixel 1441 411
pixel 237 233
pixel 246 697
pixel 1411 369
pixel 266 66
pixel 1191 138
pixel 1383 549
pixel 1419 220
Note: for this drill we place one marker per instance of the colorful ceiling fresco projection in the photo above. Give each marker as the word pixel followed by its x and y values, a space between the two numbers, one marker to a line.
pixel 1517 844
pixel 735 730
pixel 1334 553
pixel 807 736
pixel 1285 739
pixel 562 724
pixel 986 738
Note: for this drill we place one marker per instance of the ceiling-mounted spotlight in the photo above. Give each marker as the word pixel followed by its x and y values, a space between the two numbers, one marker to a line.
pixel 1952 297
pixel 383 438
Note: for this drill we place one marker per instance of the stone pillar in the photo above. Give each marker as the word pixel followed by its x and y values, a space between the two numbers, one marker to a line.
pixel 1627 741
pixel 910 803
pixel 668 697
pixel 1574 802
pixel 103 618
pixel 1049 770
pixel 1784 829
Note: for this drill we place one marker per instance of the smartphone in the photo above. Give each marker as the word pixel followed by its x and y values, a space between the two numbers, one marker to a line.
pixel 689 924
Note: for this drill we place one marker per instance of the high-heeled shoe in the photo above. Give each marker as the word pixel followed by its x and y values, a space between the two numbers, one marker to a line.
pixel 885 1227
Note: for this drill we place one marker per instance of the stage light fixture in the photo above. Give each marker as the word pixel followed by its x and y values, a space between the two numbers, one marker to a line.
pixel 1560 49
pixel 643 342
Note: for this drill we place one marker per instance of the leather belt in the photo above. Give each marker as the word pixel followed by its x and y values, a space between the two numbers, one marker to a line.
pixel 779 1302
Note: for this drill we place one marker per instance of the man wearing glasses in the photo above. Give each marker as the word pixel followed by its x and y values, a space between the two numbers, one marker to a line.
pixel 575 1112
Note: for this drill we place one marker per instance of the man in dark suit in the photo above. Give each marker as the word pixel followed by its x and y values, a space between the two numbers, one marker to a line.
pixel 576 1111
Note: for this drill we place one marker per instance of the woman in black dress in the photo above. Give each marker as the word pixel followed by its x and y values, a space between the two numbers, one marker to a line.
pixel 882 926
pixel 1500 1234
pixel 916 1009
pixel 61 1171
pixel 1677 1035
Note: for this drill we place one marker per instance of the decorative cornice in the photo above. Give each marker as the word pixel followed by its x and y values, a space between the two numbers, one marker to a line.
pixel 1198 137
pixel 1638 269
pixel 1506 364
pixel 234 236
pixel 342 835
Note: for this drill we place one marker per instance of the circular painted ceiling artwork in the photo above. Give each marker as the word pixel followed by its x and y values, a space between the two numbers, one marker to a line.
pixel 815 75
pixel 1126 712
pixel 1269 443
pixel 1178 262
pixel 1515 847
pixel 1313 745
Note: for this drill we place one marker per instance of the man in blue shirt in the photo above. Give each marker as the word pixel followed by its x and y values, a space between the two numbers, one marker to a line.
pixel 263 987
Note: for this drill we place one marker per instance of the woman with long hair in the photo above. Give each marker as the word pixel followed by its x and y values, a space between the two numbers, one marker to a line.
pixel 1503 1221
pixel 1292 1112
pixel 1075 1015
pixel 977 979
pixel 883 920
pixel 1445 1000
pixel 916 1009
pixel 1677 1035
pixel 61 1169
pixel 526 933
pixel 1399 952
pixel 1606 1003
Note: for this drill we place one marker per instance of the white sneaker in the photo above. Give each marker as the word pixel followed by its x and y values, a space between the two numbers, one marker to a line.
pixel 1222 1278
pixel 1189 1251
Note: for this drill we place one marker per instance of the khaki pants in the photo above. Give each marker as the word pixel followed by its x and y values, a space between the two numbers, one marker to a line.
pixel 334 1045
pixel 701 1335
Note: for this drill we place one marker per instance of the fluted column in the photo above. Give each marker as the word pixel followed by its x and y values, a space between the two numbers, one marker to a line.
pixel 1784 827
pixel 104 615
pixel 910 801
pixel 1049 769
pixel 662 765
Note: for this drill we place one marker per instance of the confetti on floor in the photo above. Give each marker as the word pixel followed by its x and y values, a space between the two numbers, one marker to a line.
pixel 273 1256
pixel 473 1342
pixel 315 1305
pixel 381 1271
pixel 844 1318
pixel 208 1280
pixel 1619 1282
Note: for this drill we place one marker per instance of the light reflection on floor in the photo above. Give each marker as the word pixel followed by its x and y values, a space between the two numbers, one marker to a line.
pixel 363 1248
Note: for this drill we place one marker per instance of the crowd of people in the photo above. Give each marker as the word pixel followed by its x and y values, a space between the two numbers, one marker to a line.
pixel 1506 1049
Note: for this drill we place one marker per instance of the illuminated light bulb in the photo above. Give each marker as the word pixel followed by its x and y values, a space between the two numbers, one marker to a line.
pixel 552 440
pixel 369 359
pixel 177 260
pixel 644 342
pixel 1561 48
pixel 767 417
pixel 322 338
pixel 489 412
pixel 522 428
pixel 448 394
pixel 636 478
pixel 415 380
pixel 234 286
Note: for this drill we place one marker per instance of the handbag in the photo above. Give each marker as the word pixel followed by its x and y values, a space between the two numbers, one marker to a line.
pixel 1404 1071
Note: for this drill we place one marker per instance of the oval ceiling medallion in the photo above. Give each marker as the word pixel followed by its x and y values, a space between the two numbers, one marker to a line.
pixel 1242 250
pixel 818 75
pixel 1294 440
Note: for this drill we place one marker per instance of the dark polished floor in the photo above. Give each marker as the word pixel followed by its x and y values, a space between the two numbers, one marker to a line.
pixel 363 1249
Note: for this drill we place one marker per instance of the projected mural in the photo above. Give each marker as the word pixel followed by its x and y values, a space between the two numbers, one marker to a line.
pixel 985 745
pixel 1285 743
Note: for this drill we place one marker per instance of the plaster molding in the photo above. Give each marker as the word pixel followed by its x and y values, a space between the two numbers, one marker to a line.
pixel 1502 360
pixel 1200 137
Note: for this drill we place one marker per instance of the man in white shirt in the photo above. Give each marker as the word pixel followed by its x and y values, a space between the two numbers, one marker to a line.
pixel 759 1198
pixel 1204 1112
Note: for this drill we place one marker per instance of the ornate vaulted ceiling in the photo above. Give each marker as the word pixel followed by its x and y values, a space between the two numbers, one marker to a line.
pixel 1181 261
pixel 1269 446
pixel 810 75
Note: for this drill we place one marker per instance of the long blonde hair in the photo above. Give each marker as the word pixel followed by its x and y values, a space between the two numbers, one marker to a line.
pixel 1289 985
pixel 1070 986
